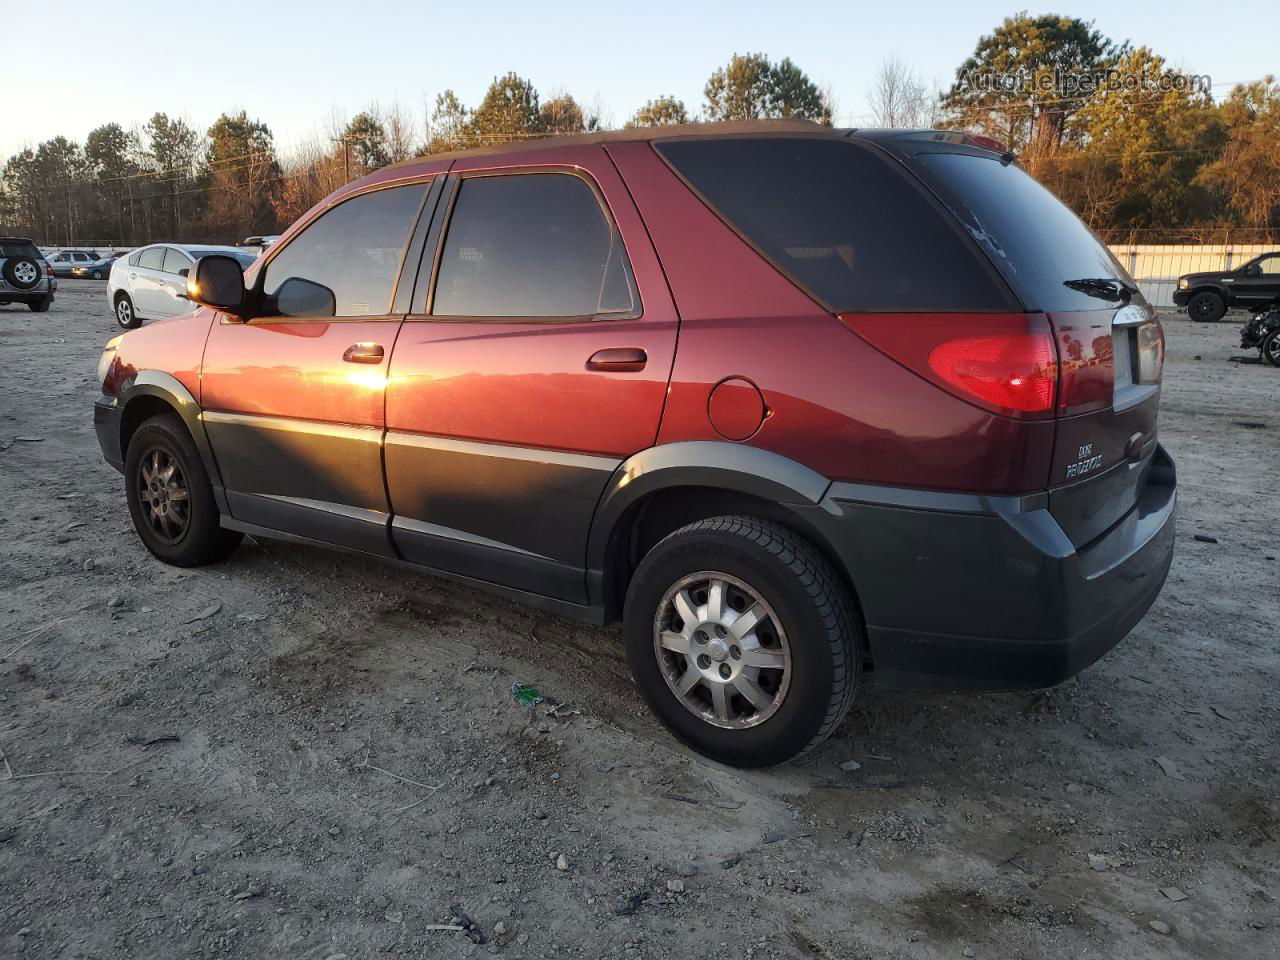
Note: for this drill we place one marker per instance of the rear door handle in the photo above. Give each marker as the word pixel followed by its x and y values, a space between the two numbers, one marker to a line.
pixel 363 352
pixel 618 359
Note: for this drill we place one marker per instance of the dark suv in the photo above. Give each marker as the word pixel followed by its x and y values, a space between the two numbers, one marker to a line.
pixel 1207 296
pixel 787 400
pixel 25 275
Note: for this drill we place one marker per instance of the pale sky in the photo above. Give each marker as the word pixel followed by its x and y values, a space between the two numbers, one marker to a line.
pixel 293 64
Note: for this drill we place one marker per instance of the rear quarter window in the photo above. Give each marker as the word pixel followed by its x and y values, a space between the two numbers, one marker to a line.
pixel 849 225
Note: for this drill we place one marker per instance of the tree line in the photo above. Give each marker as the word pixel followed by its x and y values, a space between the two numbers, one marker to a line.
pixel 1133 158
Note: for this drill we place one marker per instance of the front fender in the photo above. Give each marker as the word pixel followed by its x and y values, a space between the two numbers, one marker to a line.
pixel 164 386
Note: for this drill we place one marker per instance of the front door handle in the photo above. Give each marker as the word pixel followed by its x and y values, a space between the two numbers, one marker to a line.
pixel 363 352
pixel 618 359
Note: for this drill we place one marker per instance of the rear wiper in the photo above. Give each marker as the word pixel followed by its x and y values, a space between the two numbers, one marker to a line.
pixel 1104 288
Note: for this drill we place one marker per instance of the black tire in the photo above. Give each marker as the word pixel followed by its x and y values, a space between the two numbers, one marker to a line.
pixel 40 306
pixel 815 610
pixel 126 316
pixel 97 274
pixel 22 273
pixel 196 540
pixel 1206 307
pixel 1270 348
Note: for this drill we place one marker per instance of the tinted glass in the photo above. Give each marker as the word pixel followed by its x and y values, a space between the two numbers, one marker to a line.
pixel 532 245
pixel 839 219
pixel 175 260
pixel 1030 235
pixel 152 258
pixel 353 251
pixel 19 250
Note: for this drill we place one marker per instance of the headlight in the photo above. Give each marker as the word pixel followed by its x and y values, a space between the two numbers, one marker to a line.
pixel 108 354
pixel 1183 283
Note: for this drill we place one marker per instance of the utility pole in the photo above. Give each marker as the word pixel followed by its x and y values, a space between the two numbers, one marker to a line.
pixel 346 155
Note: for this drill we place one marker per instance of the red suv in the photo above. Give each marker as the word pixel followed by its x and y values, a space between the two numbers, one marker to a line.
pixel 784 399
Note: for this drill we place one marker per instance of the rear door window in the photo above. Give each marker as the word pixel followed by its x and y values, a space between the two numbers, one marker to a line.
pixel 19 250
pixel 1034 239
pixel 531 245
pixel 152 258
pixel 844 222
pixel 176 261
pixel 345 263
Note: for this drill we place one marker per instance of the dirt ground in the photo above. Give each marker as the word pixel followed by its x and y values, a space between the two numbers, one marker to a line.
pixel 296 754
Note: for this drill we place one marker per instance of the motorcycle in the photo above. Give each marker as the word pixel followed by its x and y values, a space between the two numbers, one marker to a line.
pixel 1263 331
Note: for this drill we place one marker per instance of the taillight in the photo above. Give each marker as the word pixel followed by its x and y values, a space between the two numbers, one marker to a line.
pixel 1150 342
pixel 1006 363
pixel 48 268
pixel 1013 372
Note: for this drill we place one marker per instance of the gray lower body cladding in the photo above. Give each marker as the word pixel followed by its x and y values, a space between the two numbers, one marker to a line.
pixel 978 593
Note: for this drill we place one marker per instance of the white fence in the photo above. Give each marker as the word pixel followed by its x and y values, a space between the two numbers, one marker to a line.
pixel 1156 267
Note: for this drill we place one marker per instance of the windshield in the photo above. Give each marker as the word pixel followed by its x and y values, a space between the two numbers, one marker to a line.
pixel 1042 248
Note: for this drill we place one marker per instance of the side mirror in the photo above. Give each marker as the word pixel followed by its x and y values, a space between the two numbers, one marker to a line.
pixel 217 282
pixel 305 298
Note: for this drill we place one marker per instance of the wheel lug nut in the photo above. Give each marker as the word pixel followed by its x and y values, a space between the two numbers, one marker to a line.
pixel 704 661
pixel 725 671
pixel 700 636
pixel 736 652
pixel 720 630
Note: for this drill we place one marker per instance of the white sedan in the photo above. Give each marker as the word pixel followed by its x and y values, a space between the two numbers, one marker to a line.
pixel 151 282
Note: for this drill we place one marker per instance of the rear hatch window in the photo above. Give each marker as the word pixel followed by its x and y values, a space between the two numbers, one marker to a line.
pixel 842 220
pixel 11 249
pixel 1043 249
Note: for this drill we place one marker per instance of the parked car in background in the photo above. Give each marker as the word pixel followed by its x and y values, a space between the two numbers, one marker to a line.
pixel 152 281
pixel 782 398
pixel 64 261
pixel 95 269
pixel 25 275
pixel 259 244
pixel 1207 296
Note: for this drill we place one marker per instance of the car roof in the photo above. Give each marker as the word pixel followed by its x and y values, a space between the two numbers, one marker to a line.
pixel 17 240
pixel 733 128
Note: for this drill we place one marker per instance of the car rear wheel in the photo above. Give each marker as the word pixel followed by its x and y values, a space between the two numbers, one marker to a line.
pixel 1271 348
pixel 40 306
pixel 743 640
pixel 126 316
pixel 170 497
pixel 1206 307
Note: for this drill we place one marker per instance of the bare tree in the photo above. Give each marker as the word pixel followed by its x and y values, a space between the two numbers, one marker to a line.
pixel 898 98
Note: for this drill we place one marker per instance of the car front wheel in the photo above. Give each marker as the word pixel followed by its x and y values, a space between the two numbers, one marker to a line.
pixel 743 640
pixel 126 316
pixel 170 497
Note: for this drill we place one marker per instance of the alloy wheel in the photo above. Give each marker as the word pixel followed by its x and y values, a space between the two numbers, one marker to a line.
pixel 26 273
pixel 166 501
pixel 124 312
pixel 722 650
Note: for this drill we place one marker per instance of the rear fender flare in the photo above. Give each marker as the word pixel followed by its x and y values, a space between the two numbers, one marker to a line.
pixel 697 463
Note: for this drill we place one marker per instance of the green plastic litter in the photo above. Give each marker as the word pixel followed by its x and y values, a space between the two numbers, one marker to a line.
pixel 525 695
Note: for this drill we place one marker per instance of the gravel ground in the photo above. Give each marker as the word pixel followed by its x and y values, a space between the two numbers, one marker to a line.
pixel 298 754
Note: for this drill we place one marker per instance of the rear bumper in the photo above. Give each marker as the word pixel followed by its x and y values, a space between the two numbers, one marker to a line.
pixel 966 592
pixel 106 424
